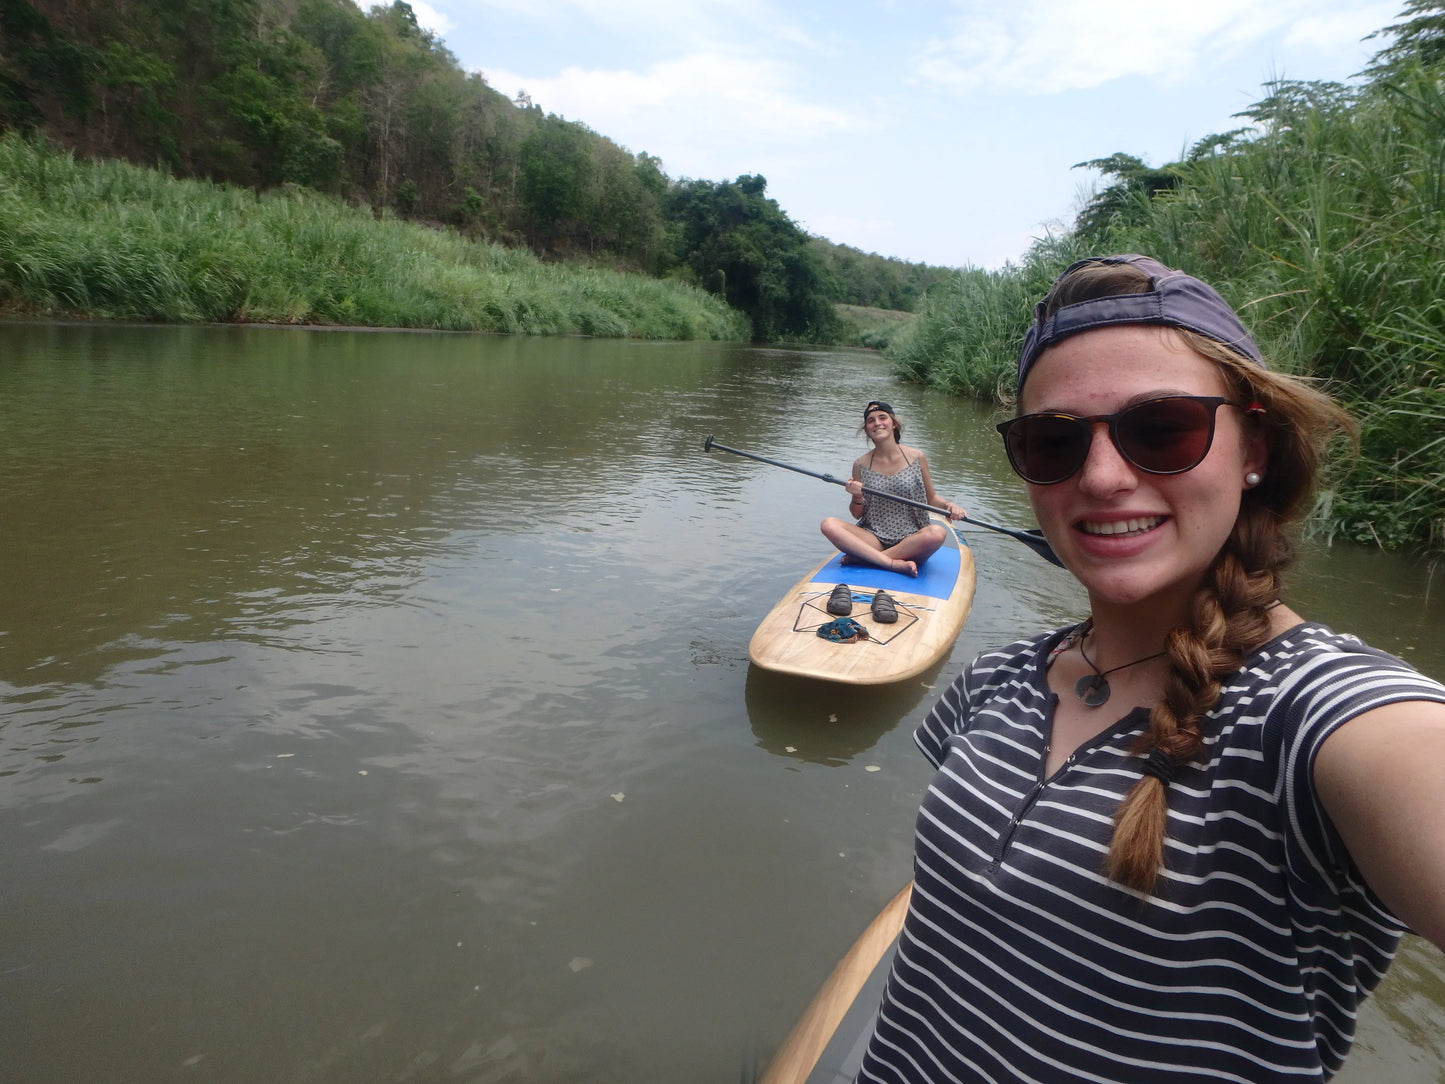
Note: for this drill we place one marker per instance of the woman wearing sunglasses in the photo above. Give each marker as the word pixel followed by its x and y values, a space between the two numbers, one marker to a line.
pixel 1179 840
pixel 889 534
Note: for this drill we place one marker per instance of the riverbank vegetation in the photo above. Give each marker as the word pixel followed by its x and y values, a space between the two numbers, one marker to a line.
pixel 115 241
pixel 871 327
pixel 1324 223
pixel 372 110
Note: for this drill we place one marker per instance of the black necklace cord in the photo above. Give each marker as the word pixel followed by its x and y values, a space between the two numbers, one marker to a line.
pixel 1093 689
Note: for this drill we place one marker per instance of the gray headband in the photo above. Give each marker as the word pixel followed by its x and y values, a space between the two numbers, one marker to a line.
pixel 1177 300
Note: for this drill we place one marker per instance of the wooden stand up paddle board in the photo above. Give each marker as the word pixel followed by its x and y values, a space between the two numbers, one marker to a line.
pixel 826 1045
pixel 932 608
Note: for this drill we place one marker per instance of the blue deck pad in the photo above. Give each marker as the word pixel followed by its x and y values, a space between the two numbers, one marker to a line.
pixel 936 576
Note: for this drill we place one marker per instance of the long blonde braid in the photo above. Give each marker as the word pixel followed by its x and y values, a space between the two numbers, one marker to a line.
pixel 1229 617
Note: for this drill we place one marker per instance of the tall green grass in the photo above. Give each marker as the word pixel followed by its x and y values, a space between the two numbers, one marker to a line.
pixel 1328 233
pixel 113 241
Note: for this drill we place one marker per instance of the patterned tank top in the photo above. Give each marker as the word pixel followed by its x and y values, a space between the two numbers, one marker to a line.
pixel 890 521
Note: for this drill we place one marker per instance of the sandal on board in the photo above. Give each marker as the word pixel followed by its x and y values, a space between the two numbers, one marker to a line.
pixel 840 600
pixel 884 610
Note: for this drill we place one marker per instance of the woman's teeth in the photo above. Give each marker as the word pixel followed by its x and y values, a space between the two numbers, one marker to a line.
pixel 1123 526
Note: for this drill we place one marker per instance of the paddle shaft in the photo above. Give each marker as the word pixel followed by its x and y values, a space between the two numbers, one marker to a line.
pixel 1033 540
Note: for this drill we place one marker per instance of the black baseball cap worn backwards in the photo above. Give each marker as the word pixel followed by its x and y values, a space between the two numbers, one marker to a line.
pixel 1176 300
pixel 876 405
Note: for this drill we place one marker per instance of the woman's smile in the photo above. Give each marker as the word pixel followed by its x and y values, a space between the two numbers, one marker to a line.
pixel 1121 527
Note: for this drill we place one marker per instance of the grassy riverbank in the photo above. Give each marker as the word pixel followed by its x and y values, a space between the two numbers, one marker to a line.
pixel 869 326
pixel 114 241
pixel 1327 231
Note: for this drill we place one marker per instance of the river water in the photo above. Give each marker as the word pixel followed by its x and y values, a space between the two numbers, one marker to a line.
pixel 376 706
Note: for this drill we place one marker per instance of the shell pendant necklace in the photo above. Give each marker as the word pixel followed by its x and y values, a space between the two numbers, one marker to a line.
pixel 1093 689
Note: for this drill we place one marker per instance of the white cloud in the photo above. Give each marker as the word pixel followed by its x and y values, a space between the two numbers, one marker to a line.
pixel 429 18
pixel 666 24
pixel 1047 46
pixel 703 107
pixel 1342 31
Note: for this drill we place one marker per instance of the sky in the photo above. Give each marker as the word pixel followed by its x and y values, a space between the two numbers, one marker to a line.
pixel 935 131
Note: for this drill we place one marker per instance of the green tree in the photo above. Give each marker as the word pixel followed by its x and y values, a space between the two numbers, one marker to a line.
pixel 36 62
pixel 556 176
pixel 1126 200
pixel 1419 38
pixel 1296 105
pixel 738 243
pixel 865 278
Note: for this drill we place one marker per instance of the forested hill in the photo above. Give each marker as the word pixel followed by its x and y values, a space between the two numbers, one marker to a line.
pixel 369 107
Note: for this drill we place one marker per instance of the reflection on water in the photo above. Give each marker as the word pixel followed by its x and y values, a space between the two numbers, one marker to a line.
pixel 844 722
pixel 377 706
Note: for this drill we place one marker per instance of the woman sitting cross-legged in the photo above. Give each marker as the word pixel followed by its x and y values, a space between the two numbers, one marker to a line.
pixel 889 534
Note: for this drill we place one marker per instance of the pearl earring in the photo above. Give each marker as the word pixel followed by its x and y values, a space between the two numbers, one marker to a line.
pixel 1251 479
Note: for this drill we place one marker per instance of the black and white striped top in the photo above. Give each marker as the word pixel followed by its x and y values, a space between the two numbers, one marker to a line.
pixel 1020 962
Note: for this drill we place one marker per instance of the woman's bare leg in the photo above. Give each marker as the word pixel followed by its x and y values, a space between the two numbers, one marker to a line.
pixel 862 545
pixel 920 545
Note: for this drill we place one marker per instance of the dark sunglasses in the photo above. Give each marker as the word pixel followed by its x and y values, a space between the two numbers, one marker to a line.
pixel 1168 435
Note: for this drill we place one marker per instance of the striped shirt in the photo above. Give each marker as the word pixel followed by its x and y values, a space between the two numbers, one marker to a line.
pixel 1020 961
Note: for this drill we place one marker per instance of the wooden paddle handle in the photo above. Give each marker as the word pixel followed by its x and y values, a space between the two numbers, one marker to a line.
pixel 808 1039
